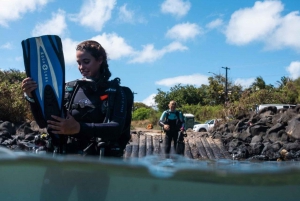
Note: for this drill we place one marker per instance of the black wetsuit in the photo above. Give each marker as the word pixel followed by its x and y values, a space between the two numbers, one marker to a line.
pixel 175 124
pixel 89 107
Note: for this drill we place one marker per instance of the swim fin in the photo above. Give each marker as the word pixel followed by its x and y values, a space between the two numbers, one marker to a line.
pixel 44 63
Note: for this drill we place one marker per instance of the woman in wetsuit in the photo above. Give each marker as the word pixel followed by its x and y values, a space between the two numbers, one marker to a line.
pixel 87 119
pixel 171 122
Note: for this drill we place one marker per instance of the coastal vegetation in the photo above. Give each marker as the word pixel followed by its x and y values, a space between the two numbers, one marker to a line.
pixel 13 106
pixel 204 102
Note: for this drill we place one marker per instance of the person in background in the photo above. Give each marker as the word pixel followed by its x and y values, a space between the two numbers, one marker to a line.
pixel 171 122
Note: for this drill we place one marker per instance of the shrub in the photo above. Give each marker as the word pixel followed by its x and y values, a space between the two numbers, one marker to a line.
pixel 204 113
pixel 13 107
pixel 141 113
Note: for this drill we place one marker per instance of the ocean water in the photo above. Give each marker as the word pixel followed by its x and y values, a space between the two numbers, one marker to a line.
pixel 28 176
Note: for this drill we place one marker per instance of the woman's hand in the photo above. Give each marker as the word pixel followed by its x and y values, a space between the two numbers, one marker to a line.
pixel 166 127
pixel 67 126
pixel 28 85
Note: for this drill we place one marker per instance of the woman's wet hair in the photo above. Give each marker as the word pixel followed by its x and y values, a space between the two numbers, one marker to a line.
pixel 98 52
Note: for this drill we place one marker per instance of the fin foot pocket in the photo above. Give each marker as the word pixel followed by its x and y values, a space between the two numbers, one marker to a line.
pixel 50 103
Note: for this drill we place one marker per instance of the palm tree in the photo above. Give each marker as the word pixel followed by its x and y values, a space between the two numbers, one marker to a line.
pixel 258 84
pixel 283 81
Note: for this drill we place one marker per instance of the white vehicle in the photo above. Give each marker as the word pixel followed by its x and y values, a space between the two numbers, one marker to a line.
pixel 279 106
pixel 208 125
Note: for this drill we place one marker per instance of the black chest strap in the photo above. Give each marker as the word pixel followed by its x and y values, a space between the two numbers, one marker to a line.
pixel 111 91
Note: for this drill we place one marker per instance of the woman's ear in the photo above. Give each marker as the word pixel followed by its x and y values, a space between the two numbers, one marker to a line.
pixel 100 60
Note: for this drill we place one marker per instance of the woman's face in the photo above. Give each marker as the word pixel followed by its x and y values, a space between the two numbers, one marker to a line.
pixel 172 106
pixel 87 64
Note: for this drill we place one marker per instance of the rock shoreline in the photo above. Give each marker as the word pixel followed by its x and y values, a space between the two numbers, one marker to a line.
pixel 271 134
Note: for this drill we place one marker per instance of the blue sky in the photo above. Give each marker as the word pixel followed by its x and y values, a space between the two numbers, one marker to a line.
pixel 160 43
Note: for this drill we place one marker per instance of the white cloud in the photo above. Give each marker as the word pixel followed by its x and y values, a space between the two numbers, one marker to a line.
pixel 184 31
pixel 55 26
pixel 195 79
pixel 11 10
pixel 125 15
pixel 69 48
pixel 150 54
pixel 215 24
pixel 245 83
pixel 177 8
pixel 150 100
pixel 115 46
pixel 95 13
pixel 253 24
pixel 129 16
pixel 264 23
pixel 287 34
pixel 294 69
pixel 6 46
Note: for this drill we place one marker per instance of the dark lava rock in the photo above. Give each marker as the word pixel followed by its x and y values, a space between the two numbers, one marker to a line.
pixel 264 135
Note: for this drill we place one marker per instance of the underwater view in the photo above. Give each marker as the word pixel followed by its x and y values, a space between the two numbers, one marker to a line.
pixel 33 177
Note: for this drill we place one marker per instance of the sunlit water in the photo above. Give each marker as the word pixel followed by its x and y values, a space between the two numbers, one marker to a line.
pixel 25 176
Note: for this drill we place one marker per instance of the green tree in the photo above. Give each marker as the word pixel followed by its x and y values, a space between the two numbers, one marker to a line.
pixel 203 113
pixel 162 99
pixel 142 113
pixel 204 95
pixel 283 82
pixel 137 105
pixel 297 81
pixel 13 107
pixel 12 76
pixel 258 84
pixel 290 91
pixel 216 91
pixel 188 94
pixel 235 93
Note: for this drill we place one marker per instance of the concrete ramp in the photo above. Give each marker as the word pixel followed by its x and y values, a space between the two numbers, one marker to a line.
pixel 197 145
